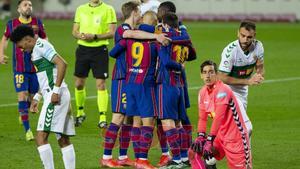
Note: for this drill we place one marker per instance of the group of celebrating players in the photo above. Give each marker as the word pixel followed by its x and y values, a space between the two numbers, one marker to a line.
pixel 149 88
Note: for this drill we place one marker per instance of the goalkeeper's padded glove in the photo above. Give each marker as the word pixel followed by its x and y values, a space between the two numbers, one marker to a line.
pixel 207 152
pixel 197 145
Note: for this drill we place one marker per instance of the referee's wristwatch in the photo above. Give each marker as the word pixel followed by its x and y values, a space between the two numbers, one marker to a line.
pixel 95 37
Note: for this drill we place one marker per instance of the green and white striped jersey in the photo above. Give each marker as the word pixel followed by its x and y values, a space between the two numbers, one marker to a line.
pixel 42 55
pixel 239 64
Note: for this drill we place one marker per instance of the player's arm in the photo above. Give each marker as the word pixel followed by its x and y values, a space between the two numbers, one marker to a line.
pixel 147 28
pixel 224 76
pixel 42 33
pixel 182 39
pixel 221 107
pixel 202 118
pixel 118 48
pixel 138 34
pixel 197 145
pixel 61 66
pixel 259 67
pixel 35 103
pixel 163 54
pixel 225 68
pixel 3 46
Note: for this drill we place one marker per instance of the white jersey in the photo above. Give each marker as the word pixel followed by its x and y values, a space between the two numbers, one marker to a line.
pixel 151 5
pixel 42 56
pixel 239 64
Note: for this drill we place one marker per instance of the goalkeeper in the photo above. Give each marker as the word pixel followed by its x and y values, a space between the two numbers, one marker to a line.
pixel 228 134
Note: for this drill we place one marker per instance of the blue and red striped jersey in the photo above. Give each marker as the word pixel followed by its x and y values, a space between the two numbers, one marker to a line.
pixel 119 70
pixel 22 60
pixel 141 57
pixel 171 58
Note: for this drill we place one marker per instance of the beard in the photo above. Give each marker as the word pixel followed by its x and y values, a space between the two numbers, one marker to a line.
pixel 245 46
pixel 27 14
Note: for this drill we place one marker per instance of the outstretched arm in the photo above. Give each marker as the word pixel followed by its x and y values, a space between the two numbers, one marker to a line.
pixel 3 46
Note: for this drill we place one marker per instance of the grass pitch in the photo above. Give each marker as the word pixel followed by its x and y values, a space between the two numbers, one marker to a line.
pixel 273 107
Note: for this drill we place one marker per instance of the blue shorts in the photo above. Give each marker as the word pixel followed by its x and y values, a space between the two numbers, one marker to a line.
pixel 26 82
pixel 186 97
pixel 118 96
pixel 141 100
pixel 170 101
pixel 183 105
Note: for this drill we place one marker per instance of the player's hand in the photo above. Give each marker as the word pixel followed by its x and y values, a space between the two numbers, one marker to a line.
pixel 34 106
pixel 161 38
pixel 55 99
pixel 198 144
pixel 256 79
pixel 207 149
pixel 3 59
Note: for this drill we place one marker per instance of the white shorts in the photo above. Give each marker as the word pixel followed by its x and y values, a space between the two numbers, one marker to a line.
pixel 57 118
pixel 242 101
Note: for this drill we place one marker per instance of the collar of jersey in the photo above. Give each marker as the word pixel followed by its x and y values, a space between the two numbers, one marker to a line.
pixel 96 5
pixel 22 20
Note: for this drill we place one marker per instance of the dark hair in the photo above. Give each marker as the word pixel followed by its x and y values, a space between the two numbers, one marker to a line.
pixel 20 1
pixel 170 19
pixel 248 25
pixel 168 6
pixel 128 7
pixel 20 32
pixel 208 63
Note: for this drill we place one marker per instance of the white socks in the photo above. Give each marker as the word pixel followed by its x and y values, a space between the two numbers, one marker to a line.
pixel 69 156
pixel 46 155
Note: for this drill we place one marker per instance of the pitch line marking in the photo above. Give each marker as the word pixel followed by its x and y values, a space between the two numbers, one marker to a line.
pixel 190 88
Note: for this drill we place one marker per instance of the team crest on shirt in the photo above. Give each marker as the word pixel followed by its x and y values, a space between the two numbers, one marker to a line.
pixel 18 85
pixel 221 95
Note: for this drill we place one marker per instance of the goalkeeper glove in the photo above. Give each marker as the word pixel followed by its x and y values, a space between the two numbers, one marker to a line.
pixel 208 154
pixel 197 145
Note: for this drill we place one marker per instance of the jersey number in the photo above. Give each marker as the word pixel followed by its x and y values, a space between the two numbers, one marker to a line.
pixel 19 78
pixel 182 53
pixel 137 52
pixel 124 98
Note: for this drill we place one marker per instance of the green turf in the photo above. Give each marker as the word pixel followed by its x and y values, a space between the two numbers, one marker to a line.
pixel 273 107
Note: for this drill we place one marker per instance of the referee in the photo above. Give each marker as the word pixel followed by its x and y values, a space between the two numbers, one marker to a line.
pixel 94 24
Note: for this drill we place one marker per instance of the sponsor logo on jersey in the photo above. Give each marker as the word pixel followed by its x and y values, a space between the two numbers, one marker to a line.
pixel 242 72
pixel 136 70
pixel 221 95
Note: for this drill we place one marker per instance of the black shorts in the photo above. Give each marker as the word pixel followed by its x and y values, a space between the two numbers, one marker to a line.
pixel 95 58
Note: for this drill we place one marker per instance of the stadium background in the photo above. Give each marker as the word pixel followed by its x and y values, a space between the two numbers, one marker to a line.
pixel 273 107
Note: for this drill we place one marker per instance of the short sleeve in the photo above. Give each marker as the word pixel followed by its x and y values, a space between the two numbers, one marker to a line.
pixel 42 33
pixel 111 16
pixel 260 51
pixel 8 29
pixel 46 50
pixel 77 15
pixel 226 60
